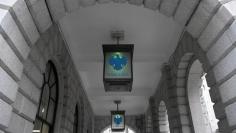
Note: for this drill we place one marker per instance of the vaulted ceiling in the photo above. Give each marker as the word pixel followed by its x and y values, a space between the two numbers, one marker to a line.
pixel 154 36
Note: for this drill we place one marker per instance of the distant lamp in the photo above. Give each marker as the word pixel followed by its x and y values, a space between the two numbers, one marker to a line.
pixel 118 64
pixel 117 119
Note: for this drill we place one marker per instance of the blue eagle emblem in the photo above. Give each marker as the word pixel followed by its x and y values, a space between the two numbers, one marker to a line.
pixel 118 61
pixel 117 119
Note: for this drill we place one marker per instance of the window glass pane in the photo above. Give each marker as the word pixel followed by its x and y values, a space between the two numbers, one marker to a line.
pixel 47 72
pixel 37 126
pixel 53 92
pixel 45 128
pixel 51 109
pixel 45 95
pixel 44 102
pixel 52 78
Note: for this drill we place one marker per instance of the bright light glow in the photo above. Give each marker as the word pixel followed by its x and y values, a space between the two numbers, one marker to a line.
pixel 43 110
pixel 127 130
pixel 36 131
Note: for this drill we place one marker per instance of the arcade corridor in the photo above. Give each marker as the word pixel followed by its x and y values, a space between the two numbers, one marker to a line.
pixel 178 76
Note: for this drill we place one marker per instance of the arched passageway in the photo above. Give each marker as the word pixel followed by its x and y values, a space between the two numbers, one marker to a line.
pixel 21 65
pixel 201 106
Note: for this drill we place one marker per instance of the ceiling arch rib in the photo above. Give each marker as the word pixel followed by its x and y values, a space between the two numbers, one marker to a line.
pixel 136 2
pixel 168 7
pixel 180 10
pixel 204 17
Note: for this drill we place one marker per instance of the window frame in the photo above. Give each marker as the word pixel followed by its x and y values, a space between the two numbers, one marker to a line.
pixel 48 72
pixel 76 120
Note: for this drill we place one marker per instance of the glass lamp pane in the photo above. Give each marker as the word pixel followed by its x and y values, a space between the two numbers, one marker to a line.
pixel 51 109
pixel 47 72
pixel 52 78
pixel 117 121
pixel 117 65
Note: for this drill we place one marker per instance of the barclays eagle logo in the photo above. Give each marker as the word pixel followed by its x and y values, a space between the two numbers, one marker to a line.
pixel 117 119
pixel 118 61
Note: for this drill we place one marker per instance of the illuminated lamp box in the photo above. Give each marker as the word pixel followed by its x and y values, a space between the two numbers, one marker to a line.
pixel 118 67
pixel 117 121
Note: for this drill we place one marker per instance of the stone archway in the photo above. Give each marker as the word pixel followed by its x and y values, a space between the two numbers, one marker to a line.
pixel 201 106
pixel 180 116
pixel 163 118
pixel 182 91
pixel 175 9
pixel 187 51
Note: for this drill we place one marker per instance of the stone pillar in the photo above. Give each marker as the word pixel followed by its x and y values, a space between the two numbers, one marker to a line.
pixel 177 103
pixel 154 114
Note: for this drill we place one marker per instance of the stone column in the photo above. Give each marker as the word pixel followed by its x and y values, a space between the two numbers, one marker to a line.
pixel 154 115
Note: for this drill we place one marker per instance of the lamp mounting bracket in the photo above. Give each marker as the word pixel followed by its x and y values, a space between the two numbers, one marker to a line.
pixel 117 102
pixel 118 35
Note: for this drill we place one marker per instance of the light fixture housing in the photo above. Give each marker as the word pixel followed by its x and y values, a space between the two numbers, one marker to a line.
pixel 117 121
pixel 118 67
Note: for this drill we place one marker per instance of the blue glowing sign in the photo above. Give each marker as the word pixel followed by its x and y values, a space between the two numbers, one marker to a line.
pixel 118 61
pixel 117 65
pixel 117 119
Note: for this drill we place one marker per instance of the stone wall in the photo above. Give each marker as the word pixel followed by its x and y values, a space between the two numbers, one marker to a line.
pixel 172 88
pixel 25 51
pixel 149 121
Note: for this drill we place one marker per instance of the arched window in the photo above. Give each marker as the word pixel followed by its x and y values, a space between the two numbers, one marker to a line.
pixel 76 120
pixel 48 101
